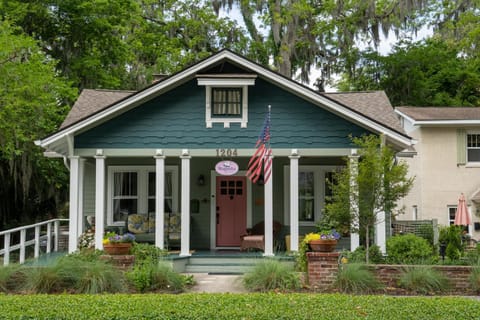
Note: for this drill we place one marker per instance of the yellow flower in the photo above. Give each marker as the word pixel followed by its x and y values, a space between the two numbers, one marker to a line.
pixel 344 260
pixel 105 241
pixel 311 236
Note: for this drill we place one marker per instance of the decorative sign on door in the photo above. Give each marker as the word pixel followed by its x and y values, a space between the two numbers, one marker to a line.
pixel 226 167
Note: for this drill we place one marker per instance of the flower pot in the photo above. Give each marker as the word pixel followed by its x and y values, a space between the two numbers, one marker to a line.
pixel 117 248
pixel 323 245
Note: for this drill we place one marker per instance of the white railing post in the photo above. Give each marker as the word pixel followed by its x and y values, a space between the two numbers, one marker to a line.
pixel 56 230
pixel 37 242
pixel 49 237
pixel 6 249
pixel 22 245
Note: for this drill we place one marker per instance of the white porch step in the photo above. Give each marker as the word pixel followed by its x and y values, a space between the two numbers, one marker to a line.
pixel 224 264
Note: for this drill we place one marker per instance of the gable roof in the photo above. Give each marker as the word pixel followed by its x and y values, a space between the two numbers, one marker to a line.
pixel 370 110
pixel 91 101
pixel 440 115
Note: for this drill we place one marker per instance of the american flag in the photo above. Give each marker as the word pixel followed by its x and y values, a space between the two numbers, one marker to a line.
pixel 262 158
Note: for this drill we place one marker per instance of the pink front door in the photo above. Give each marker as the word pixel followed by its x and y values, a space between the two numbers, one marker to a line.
pixel 231 210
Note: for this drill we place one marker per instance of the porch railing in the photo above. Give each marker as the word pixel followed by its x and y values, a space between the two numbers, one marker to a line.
pixel 45 233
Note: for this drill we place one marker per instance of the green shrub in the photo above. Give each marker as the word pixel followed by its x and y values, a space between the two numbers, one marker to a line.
pixel 423 280
pixel 451 236
pixel 271 275
pixel 359 255
pixel 474 279
pixel 408 249
pixel 147 253
pixel 356 278
pixel 150 276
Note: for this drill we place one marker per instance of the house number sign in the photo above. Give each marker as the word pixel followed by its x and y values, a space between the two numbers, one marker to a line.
pixel 226 168
pixel 227 152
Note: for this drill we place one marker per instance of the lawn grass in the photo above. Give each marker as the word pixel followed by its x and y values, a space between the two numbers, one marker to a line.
pixel 236 306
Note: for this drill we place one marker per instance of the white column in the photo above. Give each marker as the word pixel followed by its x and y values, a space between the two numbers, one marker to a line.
pixel 185 204
pixel 294 200
pixel 159 199
pixel 73 204
pixel 81 176
pixel 268 188
pixel 99 199
pixel 380 232
pixel 354 236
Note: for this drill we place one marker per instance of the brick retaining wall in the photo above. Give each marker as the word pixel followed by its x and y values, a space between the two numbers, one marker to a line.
pixel 323 269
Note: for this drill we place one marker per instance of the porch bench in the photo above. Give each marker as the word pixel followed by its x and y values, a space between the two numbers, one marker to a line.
pixel 143 227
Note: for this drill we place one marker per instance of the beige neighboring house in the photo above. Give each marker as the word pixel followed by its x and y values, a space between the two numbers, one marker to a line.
pixel 447 163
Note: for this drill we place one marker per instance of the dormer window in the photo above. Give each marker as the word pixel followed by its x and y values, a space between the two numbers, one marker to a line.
pixel 226 102
pixel 226 98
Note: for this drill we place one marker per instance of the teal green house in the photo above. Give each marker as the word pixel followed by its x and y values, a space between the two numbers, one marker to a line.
pixel 169 162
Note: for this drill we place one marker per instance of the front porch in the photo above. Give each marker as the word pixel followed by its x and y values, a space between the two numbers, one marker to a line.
pixel 182 186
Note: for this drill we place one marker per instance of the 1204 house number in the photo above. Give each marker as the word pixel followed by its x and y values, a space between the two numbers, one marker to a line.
pixel 227 152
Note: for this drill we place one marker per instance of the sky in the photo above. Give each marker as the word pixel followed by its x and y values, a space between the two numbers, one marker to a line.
pixel 385 47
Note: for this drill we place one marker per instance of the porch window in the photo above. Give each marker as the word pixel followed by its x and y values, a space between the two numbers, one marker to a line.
pixel 306 197
pixel 473 147
pixel 226 102
pixel 313 192
pixel 125 194
pixel 132 190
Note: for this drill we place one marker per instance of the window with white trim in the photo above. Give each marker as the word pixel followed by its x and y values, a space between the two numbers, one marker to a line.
pixel 131 189
pixel 226 102
pixel 313 192
pixel 451 214
pixel 226 98
pixel 473 147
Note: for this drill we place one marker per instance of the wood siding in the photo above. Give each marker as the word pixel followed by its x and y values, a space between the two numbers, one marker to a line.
pixel 176 119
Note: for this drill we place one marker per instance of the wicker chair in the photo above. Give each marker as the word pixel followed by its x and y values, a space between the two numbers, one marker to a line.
pixel 255 237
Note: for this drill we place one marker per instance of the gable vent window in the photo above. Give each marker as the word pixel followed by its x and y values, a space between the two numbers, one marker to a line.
pixel 226 98
pixel 226 102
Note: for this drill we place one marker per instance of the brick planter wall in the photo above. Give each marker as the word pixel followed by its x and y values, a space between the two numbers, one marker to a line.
pixel 458 276
pixel 322 269
pixel 123 262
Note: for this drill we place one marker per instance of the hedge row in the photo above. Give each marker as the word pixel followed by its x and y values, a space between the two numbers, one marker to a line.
pixel 236 306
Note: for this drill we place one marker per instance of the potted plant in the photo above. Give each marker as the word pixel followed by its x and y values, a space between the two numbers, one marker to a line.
pixel 115 244
pixel 323 241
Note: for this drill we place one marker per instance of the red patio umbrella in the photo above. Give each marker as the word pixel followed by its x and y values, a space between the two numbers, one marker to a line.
pixel 462 217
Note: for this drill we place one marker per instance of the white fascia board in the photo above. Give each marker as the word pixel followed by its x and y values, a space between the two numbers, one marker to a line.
pixel 463 122
pixel 284 82
pixel 225 82
pixel 404 116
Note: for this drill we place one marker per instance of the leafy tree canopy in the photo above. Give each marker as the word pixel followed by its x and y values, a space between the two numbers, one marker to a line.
pixel 427 73
pixel 33 102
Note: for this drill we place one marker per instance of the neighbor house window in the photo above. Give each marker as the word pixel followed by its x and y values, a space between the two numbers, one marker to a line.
pixel 132 190
pixel 226 102
pixel 226 98
pixel 473 147
pixel 314 191
pixel 451 214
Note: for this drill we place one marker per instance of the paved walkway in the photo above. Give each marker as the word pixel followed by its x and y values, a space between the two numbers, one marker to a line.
pixel 213 283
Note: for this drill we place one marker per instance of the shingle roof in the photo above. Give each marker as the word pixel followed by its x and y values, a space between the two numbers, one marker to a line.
pixel 440 113
pixel 91 101
pixel 374 105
